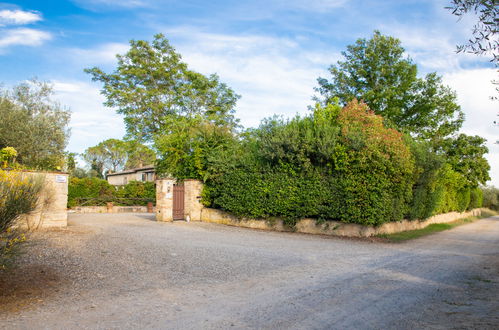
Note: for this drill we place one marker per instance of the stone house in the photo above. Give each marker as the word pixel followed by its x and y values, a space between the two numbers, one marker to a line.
pixel 143 174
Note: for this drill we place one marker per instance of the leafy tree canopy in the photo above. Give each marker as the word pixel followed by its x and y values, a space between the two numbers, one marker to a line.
pixel 484 39
pixel 377 72
pixel 114 155
pixel 34 124
pixel 465 154
pixel 151 86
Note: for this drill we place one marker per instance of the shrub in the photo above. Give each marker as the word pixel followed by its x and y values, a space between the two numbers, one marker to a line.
pixel 490 197
pixel 85 188
pixel 341 164
pixel 425 193
pixel 136 193
pixel 95 191
pixel 18 195
pixel 476 198
pixel 453 194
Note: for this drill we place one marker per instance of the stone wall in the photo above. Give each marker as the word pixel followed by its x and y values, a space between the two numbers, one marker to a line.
pixel 164 199
pixel 113 209
pixel 332 228
pixel 51 210
pixel 195 211
pixel 192 200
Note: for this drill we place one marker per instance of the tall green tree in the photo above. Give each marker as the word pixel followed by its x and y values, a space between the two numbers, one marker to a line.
pixel 166 103
pixel 138 155
pixel 377 71
pixel 34 124
pixel 107 156
pixel 113 155
pixel 151 85
pixel 465 154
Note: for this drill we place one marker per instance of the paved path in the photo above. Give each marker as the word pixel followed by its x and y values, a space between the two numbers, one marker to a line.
pixel 127 271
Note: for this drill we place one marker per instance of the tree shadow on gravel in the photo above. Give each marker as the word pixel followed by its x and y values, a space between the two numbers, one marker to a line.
pixel 26 285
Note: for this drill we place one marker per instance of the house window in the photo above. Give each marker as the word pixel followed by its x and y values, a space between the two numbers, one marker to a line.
pixel 125 180
pixel 144 177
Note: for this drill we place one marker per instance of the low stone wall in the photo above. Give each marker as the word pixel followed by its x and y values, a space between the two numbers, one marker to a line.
pixel 114 209
pixel 51 210
pixel 195 211
pixel 333 228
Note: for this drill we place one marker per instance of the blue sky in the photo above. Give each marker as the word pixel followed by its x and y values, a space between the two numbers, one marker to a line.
pixel 270 52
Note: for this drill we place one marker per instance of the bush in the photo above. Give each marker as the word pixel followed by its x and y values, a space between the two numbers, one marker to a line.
pixel 18 195
pixel 476 198
pixel 425 194
pixel 340 164
pixel 490 197
pixel 95 191
pixel 136 193
pixel 79 190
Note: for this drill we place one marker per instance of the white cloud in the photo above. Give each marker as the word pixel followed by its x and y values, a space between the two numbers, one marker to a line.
pixel 23 36
pixel 474 89
pixel 91 122
pixel 317 5
pixel 18 17
pixel 103 54
pixel 273 75
pixel 433 48
pixel 95 4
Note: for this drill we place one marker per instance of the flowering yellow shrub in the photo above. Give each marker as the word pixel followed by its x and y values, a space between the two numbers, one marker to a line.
pixel 18 195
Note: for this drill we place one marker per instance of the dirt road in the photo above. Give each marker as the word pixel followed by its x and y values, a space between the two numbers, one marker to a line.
pixel 125 271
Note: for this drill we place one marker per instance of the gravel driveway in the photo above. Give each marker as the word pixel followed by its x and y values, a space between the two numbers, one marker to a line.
pixel 125 271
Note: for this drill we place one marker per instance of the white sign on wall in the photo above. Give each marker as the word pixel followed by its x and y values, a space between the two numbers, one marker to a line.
pixel 61 179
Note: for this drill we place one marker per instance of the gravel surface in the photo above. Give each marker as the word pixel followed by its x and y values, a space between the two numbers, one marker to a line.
pixel 126 271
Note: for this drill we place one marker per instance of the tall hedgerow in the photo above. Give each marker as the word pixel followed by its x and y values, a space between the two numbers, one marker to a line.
pixel 337 163
pixel 95 191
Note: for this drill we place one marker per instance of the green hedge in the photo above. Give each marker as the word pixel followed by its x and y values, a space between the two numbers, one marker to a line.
pixel 95 191
pixel 490 197
pixel 336 164
pixel 342 165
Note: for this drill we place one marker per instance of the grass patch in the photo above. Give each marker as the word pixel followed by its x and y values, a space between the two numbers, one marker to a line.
pixel 433 228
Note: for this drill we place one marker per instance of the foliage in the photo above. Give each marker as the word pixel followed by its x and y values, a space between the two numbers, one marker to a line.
pixel 454 194
pixel 70 162
pixel 95 191
pixel 430 229
pixel 476 198
pixel 466 155
pixel 192 148
pixel 7 156
pixel 34 124
pixel 136 193
pixel 425 191
pixel 138 155
pixel 109 155
pixel 377 72
pixel 490 197
pixel 18 195
pixel 115 155
pixel 79 189
pixel 151 85
pixel 484 36
pixel 187 115
pixel 340 164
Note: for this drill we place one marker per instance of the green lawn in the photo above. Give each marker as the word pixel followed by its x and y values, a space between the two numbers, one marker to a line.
pixel 433 228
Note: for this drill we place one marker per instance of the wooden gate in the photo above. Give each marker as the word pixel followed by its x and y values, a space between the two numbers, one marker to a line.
pixel 178 201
